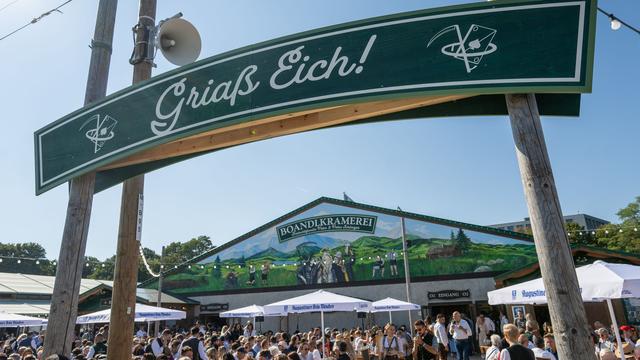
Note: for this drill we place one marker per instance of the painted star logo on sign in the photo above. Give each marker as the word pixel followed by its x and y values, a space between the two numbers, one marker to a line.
pixel 471 48
pixel 102 132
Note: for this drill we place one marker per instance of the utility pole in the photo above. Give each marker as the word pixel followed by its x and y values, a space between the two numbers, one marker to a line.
pixel 552 246
pixel 157 332
pixel 64 301
pixel 126 271
pixel 407 276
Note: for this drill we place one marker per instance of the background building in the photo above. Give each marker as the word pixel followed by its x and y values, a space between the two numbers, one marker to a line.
pixel 587 222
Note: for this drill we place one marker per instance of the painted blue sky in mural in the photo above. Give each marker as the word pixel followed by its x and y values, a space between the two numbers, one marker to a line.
pixel 387 226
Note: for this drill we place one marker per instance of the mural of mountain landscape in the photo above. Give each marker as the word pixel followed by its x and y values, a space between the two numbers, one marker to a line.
pixel 331 243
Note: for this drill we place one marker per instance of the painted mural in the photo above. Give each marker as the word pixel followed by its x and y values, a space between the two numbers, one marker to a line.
pixel 331 243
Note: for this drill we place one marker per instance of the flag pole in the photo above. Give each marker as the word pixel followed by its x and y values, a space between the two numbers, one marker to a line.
pixel 407 277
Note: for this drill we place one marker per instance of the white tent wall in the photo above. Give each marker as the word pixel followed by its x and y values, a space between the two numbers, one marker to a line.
pixel 477 287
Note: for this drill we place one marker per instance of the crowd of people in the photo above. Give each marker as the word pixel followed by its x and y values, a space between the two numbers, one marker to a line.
pixel 429 339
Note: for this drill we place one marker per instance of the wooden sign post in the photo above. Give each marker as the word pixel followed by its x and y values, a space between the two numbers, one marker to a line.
pixel 552 246
pixel 64 301
pixel 125 278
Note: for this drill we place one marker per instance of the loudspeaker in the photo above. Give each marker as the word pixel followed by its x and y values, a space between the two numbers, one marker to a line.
pixel 259 318
pixel 179 41
pixel 362 315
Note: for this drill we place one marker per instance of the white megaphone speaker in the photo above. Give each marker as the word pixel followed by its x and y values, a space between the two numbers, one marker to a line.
pixel 179 41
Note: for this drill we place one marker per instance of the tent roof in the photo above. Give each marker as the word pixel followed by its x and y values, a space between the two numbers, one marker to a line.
pixel 26 284
pixel 25 307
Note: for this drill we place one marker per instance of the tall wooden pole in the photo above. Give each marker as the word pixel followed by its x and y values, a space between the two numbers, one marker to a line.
pixel 64 301
pixel 159 303
pixel 552 246
pixel 125 278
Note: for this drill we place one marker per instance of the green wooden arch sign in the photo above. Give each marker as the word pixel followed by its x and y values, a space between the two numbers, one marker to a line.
pixel 398 66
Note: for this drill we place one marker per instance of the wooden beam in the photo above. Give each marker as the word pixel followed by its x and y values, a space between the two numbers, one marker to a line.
pixel 552 246
pixel 66 289
pixel 277 126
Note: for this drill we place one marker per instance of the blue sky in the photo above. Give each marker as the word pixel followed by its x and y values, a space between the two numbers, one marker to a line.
pixel 458 168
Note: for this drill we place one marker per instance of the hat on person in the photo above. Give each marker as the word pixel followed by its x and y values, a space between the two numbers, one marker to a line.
pixel 627 349
pixel 626 328
pixel 602 330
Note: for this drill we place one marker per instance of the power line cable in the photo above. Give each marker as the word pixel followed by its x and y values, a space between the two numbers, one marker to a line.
pixel 36 19
pixel 9 4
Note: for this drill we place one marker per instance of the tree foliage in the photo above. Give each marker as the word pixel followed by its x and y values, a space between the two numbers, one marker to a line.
pixel 624 236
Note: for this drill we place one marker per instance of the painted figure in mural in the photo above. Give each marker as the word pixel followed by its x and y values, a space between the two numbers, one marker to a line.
pixel 326 264
pixel 350 261
pixel 378 268
pixel 252 275
pixel 264 272
pixel 306 273
pixel 393 263
pixel 231 280
pixel 337 268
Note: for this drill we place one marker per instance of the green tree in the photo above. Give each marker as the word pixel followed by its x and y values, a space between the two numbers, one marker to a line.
pixel 177 252
pixel 104 270
pixel 577 234
pixel 624 236
pixel 26 258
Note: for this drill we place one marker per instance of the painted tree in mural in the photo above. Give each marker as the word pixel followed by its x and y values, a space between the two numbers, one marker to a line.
pixel 462 241
pixel 217 272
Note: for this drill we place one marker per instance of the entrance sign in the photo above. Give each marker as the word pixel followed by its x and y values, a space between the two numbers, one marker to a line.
pixel 448 294
pixel 484 48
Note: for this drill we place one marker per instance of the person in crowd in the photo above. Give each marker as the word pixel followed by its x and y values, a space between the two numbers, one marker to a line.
pixel 423 348
pixel 141 332
pixel 523 340
pixel 491 326
pixel 503 320
pixel 440 332
pixel 482 330
pixel 342 353
pixel 515 351
pixel 195 346
pixel 626 332
pixel 390 344
pixel 160 345
pixel 604 340
pixel 99 347
pixel 550 344
pixel 493 353
pixel 249 330
pixel 539 350
pixel 304 352
pixel 461 332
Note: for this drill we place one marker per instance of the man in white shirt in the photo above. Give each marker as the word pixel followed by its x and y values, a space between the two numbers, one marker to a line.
pixel 141 333
pixel 539 351
pixel 195 344
pixel 158 344
pixel 461 332
pixel 440 330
